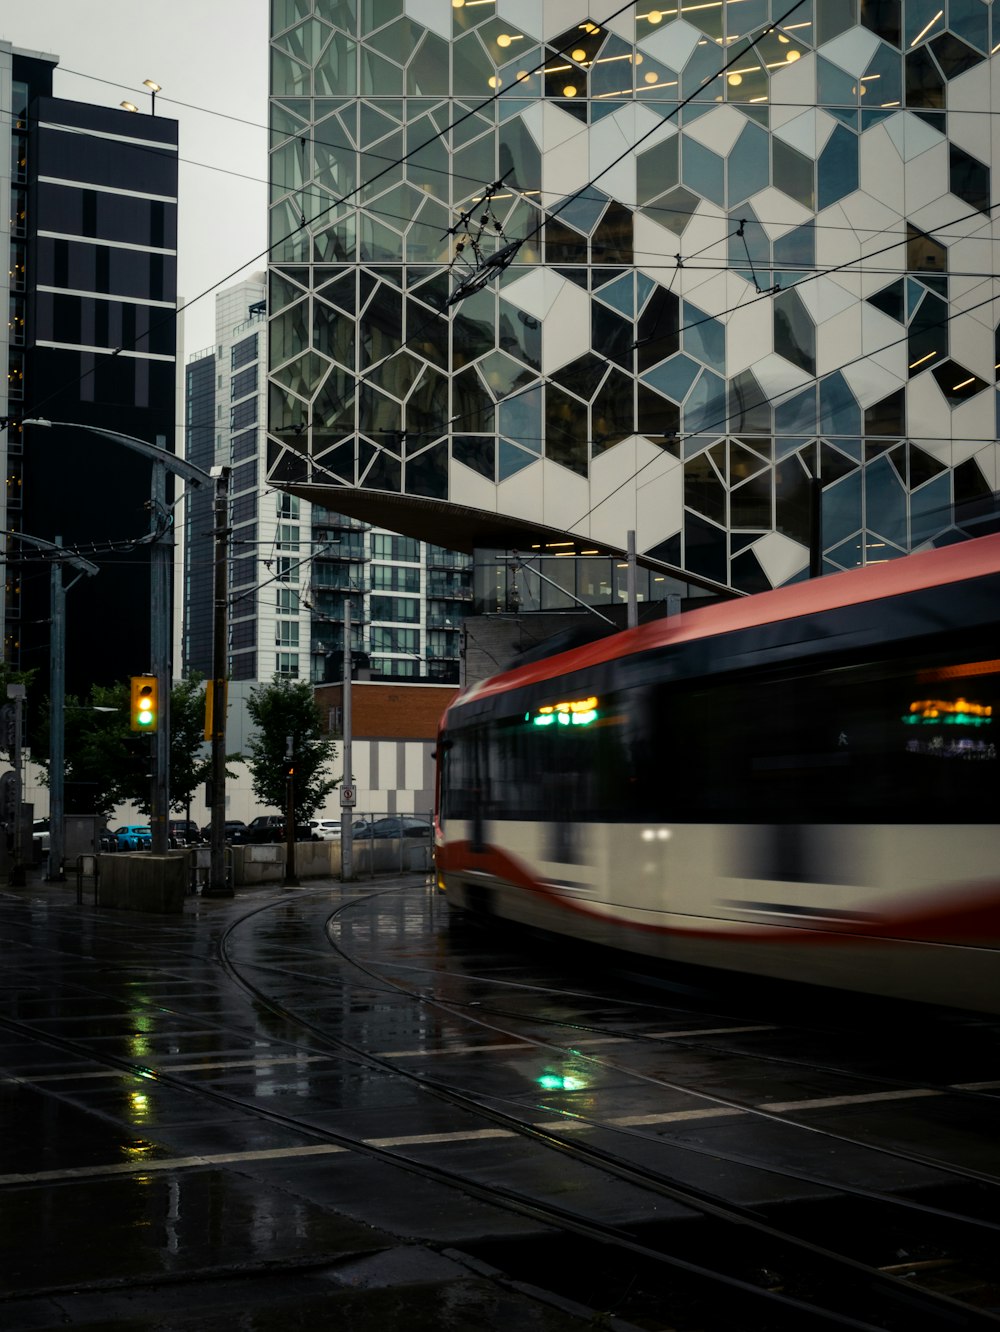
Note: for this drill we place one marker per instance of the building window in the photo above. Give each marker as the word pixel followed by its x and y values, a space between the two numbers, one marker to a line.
pixel 388 547
pixel 286 633
pixel 244 446
pixel 243 414
pixel 244 352
pixel 287 663
pixel 243 383
pixel 287 600
pixel 244 477
pixel 385 639
pixel 405 609
pixel 288 536
pixel 243 634
pixel 395 666
pixel 244 507
pixel 393 578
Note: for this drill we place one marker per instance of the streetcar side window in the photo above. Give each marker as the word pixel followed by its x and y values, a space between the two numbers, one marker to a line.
pixel 907 740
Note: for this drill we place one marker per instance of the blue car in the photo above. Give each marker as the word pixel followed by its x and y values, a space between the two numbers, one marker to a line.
pixel 134 837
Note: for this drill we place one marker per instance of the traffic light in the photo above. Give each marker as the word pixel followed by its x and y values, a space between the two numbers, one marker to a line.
pixel 145 710
pixel 288 768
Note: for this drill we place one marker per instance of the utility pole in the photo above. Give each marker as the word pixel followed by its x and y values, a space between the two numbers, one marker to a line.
pixel 160 612
pixel 218 884
pixel 57 692
pixel 161 554
pixel 348 796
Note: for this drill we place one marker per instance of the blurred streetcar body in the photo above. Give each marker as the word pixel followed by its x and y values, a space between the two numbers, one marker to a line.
pixel 801 784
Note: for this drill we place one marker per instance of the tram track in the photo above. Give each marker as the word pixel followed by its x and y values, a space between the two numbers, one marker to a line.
pixel 718 1211
pixel 768 1278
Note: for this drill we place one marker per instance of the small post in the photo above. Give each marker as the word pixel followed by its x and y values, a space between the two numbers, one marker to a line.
pixel 57 721
pixel 16 693
pixel 290 880
pixel 347 793
pixel 633 604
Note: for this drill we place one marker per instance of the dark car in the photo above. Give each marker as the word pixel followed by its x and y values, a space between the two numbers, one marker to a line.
pixel 184 832
pixel 401 825
pixel 271 828
pixel 233 832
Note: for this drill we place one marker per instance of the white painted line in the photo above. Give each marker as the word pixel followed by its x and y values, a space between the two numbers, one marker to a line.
pixel 825 1102
pixel 976 1086
pixel 171 1163
pixel 202 1066
pixel 704 1031
pixel 454 1049
pixel 421 1139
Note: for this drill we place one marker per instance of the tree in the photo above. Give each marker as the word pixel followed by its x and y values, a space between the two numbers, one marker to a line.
pixel 190 761
pixel 107 763
pixel 279 710
pixel 104 761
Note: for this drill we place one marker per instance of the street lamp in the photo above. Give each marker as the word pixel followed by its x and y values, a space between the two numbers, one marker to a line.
pixel 154 88
pixel 160 623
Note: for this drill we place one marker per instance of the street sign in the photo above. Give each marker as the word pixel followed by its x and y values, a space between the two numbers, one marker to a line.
pixel 348 797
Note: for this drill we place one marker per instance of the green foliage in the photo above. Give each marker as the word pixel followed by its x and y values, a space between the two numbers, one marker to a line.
pixel 288 708
pixel 109 764
pixel 105 761
pixel 190 759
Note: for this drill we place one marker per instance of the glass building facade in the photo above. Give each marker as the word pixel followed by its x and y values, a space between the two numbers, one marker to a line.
pixel 90 211
pixel 721 275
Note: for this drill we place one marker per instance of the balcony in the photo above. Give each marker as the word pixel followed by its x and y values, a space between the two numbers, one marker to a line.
pixel 438 591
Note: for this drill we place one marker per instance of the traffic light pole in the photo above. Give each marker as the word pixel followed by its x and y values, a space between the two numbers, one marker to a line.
pixel 218 885
pixel 160 609
pixel 159 642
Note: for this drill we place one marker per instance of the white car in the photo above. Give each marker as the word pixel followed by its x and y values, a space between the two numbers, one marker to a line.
pixel 327 830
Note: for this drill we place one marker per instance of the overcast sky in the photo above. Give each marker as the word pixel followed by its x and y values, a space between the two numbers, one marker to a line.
pixel 210 58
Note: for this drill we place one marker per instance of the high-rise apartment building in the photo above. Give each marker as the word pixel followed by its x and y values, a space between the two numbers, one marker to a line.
pixel 721 275
pixel 293 564
pixel 91 198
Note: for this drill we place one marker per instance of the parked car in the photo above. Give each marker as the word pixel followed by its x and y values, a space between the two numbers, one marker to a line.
pixel 362 828
pixel 184 832
pixel 134 837
pixel 326 830
pixel 106 840
pixel 271 828
pixel 401 825
pixel 233 832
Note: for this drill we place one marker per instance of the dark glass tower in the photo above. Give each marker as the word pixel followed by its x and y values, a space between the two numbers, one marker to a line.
pixel 97 296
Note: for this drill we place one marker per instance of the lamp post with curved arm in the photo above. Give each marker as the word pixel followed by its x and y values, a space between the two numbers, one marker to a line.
pixel 160 621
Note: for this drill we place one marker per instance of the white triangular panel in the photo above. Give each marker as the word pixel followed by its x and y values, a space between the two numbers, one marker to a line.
pixel 780 557
pixel 470 489
pixel 433 14
pixel 566 331
pixel 852 50
pixel 567 498
pixel 672 44
pixel 718 130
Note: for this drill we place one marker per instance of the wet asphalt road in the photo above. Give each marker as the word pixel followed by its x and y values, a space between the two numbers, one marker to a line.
pixel 214 1115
